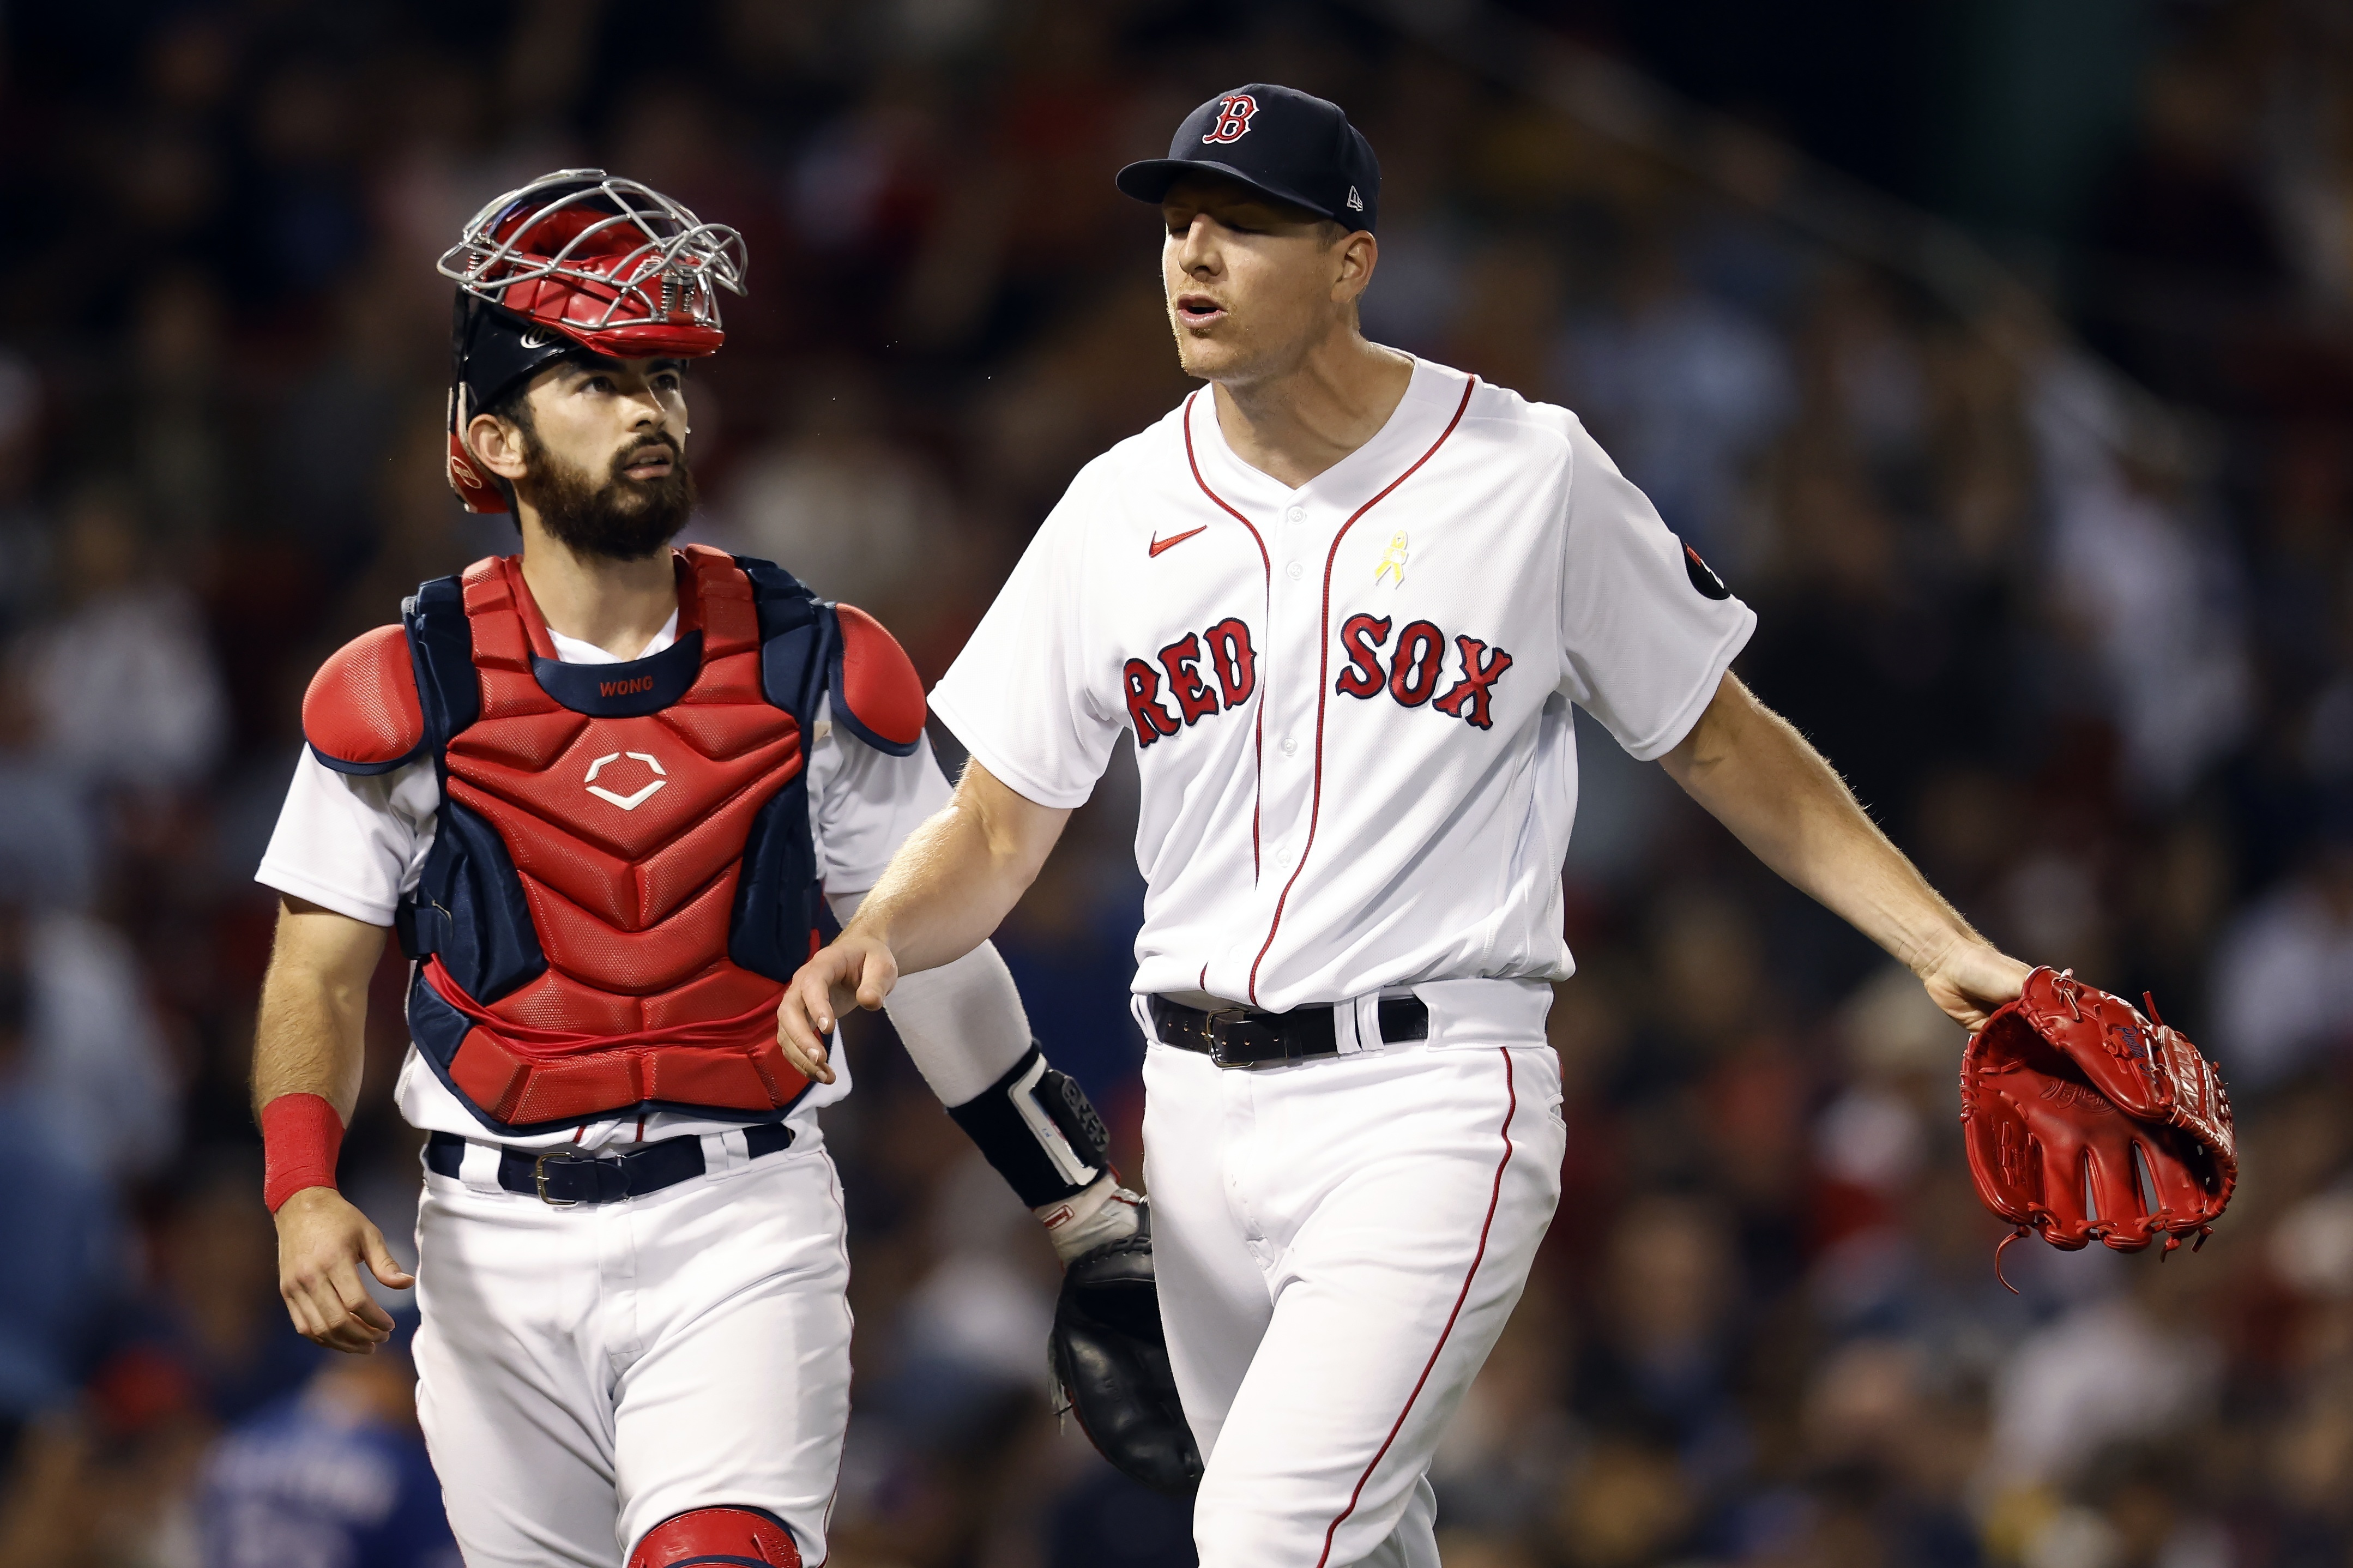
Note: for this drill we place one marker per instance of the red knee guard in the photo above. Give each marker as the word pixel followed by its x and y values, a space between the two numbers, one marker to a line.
pixel 739 1537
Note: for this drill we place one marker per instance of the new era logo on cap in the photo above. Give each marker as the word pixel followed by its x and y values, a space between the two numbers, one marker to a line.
pixel 1285 143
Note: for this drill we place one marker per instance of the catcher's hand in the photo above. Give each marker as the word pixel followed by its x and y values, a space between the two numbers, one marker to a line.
pixel 2084 1119
pixel 1109 1361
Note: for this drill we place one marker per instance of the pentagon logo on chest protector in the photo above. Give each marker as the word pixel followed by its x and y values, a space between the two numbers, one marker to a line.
pixel 626 802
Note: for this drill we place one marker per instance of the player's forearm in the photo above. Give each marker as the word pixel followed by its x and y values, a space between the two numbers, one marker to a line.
pixel 310 1035
pixel 1752 770
pixel 963 1023
pixel 308 1039
pixel 958 875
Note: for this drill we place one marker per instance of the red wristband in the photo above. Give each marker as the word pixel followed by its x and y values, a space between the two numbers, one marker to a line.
pixel 300 1136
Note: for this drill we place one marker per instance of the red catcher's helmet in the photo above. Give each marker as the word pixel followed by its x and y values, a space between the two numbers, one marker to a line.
pixel 576 260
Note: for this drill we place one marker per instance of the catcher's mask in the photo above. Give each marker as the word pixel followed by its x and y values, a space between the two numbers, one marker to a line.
pixel 576 261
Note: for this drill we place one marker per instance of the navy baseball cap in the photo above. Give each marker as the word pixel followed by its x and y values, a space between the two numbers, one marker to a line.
pixel 1277 141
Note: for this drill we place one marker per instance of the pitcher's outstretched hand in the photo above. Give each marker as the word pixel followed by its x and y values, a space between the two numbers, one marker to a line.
pixel 853 968
pixel 1970 979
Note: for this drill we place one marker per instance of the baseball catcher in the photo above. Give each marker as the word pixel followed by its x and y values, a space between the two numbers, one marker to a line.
pixel 606 794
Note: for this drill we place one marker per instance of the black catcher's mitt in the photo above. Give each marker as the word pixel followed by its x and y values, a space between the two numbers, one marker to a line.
pixel 1110 1361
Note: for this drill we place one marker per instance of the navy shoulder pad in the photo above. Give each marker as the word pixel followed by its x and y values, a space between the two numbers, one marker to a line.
pixel 442 640
pixel 792 638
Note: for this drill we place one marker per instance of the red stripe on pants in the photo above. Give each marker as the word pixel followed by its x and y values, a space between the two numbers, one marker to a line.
pixel 1511 1089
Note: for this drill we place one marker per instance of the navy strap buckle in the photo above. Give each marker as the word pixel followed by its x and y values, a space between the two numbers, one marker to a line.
pixel 539 1178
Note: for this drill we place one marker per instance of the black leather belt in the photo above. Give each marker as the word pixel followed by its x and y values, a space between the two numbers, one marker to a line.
pixel 562 1178
pixel 1246 1037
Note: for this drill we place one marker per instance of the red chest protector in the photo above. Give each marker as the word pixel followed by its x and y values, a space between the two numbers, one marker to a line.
pixel 622 876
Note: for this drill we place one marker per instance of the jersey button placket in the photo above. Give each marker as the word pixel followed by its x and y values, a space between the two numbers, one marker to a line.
pixel 1288 781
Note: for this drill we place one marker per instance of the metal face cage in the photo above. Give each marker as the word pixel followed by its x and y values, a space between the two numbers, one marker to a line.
pixel 631 253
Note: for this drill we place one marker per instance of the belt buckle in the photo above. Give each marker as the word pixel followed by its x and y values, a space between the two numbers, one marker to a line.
pixel 539 1176
pixel 1237 1021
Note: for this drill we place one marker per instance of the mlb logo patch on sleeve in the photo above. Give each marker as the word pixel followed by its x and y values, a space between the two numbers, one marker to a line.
pixel 1710 585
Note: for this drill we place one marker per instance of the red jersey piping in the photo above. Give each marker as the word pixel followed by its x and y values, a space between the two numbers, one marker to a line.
pixel 1494 1198
pixel 1266 619
pixel 1324 669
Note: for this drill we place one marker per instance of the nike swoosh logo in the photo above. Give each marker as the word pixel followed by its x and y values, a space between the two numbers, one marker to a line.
pixel 1159 544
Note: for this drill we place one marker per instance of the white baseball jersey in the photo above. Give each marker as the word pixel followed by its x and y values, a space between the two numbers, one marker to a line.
pixel 355 845
pixel 1350 700
pixel 586 1371
pixel 1351 707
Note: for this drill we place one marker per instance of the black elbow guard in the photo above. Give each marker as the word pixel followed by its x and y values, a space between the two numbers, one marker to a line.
pixel 1039 1130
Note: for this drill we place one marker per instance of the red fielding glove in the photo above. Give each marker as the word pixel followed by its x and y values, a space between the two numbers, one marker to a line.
pixel 2086 1119
pixel 300 1136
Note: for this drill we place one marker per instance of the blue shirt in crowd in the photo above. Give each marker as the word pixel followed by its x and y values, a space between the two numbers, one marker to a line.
pixel 306 1484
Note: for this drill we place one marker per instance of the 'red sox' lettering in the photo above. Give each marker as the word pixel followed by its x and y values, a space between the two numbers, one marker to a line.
pixel 1418 665
pixel 1205 673
pixel 1188 666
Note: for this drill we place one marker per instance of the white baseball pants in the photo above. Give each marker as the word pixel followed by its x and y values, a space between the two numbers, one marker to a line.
pixel 1338 1244
pixel 587 1373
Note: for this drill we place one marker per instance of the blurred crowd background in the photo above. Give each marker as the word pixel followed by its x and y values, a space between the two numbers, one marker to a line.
pixel 1999 353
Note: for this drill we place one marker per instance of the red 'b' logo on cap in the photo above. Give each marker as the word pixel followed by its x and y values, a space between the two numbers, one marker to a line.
pixel 1233 118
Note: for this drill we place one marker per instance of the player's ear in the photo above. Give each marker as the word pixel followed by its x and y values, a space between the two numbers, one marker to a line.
pixel 1353 260
pixel 497 444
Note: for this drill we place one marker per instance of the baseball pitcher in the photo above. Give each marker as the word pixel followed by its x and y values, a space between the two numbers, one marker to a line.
pixel 1343 601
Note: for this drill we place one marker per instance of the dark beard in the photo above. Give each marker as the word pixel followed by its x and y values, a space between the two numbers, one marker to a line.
pixel 621 519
